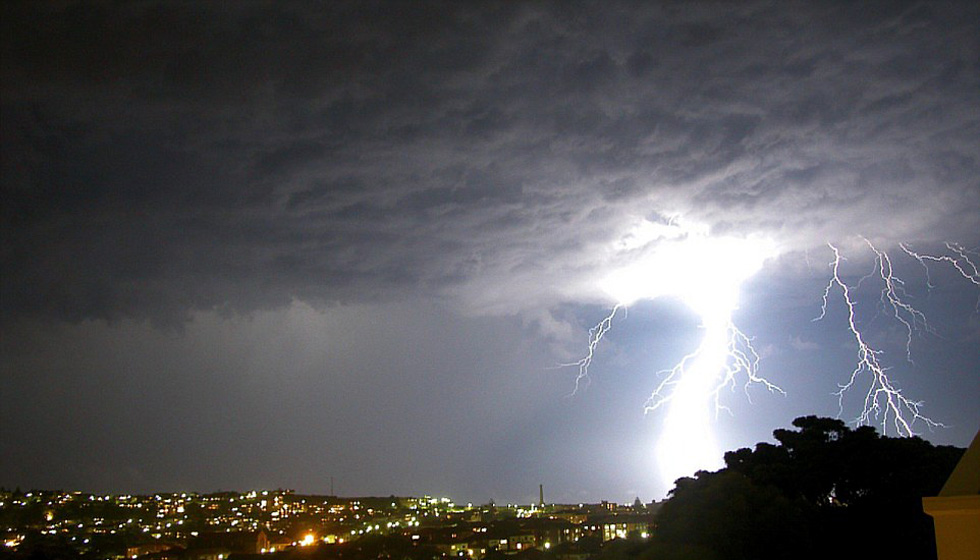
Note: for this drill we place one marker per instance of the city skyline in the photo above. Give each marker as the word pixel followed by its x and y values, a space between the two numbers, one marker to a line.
pixel 263 244
pixel 280 521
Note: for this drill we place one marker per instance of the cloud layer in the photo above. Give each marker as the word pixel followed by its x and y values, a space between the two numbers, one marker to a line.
pixel 165 158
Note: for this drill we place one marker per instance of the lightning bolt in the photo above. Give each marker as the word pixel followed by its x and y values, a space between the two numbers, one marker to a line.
pixel 960 260
pixel 730 353
pixel 595 335
pixel 687 267
pixel 687 441
pixel 724 355
pixel 690 267
pixel 740 357
pixel 893 299
pixel 883 399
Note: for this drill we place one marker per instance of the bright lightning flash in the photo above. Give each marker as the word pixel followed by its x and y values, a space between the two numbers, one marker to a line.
pixel 706 274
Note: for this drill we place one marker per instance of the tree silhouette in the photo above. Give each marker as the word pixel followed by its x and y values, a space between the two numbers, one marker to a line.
pixel 824 490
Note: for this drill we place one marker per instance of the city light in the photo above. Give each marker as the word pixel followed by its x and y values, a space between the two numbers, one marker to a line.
pixel 237 518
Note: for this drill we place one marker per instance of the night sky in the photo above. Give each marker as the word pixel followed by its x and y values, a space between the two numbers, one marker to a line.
pixel 263 244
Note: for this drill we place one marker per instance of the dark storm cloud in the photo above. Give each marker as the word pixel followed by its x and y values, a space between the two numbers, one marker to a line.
pixel 164 157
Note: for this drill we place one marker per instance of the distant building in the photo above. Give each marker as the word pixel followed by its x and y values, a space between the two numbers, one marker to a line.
pixel 622 527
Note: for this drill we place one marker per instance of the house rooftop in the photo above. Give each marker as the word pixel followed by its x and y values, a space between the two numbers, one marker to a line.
pixel 965 480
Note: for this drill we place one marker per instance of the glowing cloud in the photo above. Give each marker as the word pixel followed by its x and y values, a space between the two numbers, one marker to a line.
pixel 705 272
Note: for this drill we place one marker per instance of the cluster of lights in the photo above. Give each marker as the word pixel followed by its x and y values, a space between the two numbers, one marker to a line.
pixel 162 528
